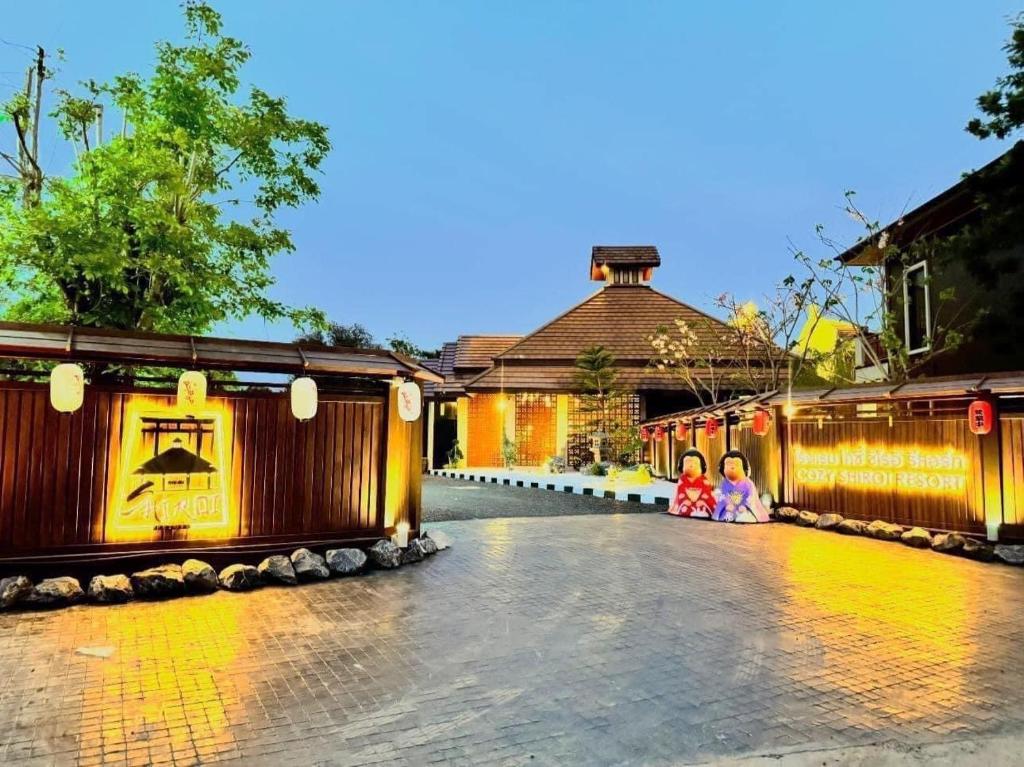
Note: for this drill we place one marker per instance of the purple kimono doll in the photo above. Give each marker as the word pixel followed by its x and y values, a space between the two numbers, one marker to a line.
pixel 739 501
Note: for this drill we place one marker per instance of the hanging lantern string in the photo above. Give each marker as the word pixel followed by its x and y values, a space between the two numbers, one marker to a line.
pixel 302 356
pixel 195 354
pixel 71 336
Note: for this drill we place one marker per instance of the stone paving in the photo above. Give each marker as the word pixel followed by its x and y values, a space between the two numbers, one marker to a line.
pixel 605 639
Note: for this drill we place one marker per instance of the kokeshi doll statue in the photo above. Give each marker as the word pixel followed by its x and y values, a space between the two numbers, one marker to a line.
pixel 739 501
pixel 694 492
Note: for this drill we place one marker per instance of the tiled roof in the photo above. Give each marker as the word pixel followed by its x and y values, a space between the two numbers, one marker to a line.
pixel 479 351
pixel 620 318
pixel 562 378
pixel 625 255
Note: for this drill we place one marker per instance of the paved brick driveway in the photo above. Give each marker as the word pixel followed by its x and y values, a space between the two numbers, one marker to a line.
pixel 587 639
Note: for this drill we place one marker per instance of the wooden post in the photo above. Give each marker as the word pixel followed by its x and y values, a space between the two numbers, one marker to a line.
pixel 992 477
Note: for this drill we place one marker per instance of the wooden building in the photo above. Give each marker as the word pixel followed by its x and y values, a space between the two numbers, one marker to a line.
pixel 131 473
pixel 524 389
pixel 988 287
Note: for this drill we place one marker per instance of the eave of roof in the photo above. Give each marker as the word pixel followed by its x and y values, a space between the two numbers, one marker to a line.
pixel 65 343
pixel 944 387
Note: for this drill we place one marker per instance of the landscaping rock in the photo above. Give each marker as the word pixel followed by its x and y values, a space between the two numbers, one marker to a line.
pixel 806 519
pixel 786 514
pixel 55 592
pixel 13 590
pixel 884 531
pixel 200 578
pixel 429 547
pixel 414 552
pixel 828 521
pixel 386 555
pixel 441 539
pixel 240 578
pixel 981 552
pixel 1011 555
pixel 917 537
pixel 159 582
pixel 346 561
pixel 110 589
pixel 309 566
pixel 852 527
pixel 948 543
pixel 277 569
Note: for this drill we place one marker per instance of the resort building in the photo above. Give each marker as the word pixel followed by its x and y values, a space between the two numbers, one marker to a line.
pixel 515 400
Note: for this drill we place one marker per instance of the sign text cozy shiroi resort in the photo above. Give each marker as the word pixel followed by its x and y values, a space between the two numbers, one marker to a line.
pixel 908 468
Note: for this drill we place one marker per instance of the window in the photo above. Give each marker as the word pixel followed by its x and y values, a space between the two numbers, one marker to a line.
pixel 917 319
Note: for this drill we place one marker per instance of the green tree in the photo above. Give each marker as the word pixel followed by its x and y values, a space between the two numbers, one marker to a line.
pixel 353 336
pixel 401 344
pixel 167 222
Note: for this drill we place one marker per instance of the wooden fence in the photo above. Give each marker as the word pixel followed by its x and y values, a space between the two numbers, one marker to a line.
pixel 63 480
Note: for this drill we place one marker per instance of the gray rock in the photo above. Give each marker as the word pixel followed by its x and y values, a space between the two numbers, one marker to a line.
pixel 414 553
pixel 786 514
pixel 277 569
pixel 240 578
pixel 806 519
pixel 14 590
pixel 852 527
pixel 441 539
pixel 346 561
pixel 110 589
pixel 158 582
pixel 429 547
pixel 386 555
pixel 884 531
pixel 828 521
pixel 309 566
pixel 948 543
pixel 1011 555
pixel 200 578
pixel 917 537
pixel 55 592
pixel 982 552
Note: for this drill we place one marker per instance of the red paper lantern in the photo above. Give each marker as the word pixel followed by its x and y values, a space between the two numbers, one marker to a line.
pixel 762 420
pixel 979 416
pixel 659 433
pixel 645 433
pixel 681 431
pixel 711 427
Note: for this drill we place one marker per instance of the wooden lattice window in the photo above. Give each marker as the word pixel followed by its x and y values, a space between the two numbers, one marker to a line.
pixel 623 413
pixel 536 428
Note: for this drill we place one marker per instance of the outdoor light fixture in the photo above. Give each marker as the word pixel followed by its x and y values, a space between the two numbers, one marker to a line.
pixel 711 427
pixel 645 433
pixel 191 391
pixel 401 536
pixel 67 387
pixel 762 420
pixel 410 403
pixel 681 431
pixel 980 416
pixel 304 398
pixel 789 410
pixel 659 433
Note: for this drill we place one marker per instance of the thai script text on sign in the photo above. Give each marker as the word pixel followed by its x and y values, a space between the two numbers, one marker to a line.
pixel 863 466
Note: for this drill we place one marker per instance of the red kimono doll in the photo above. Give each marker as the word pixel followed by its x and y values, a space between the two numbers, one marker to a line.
pixel 694 493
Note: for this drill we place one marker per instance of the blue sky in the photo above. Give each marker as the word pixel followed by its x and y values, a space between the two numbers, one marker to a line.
pixel 482 148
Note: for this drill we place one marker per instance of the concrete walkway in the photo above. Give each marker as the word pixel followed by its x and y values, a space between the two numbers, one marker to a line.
pixel 627 639
pixel 659 492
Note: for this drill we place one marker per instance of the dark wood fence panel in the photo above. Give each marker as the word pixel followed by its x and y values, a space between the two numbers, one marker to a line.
pixel 964 511
pixel 1012 455
pixel 285 477
pixel 762 453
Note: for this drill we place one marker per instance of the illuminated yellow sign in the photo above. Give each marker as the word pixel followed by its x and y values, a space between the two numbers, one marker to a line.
pixel 174 474
pixel 906 468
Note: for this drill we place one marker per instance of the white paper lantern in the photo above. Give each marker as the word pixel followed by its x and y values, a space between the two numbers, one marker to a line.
pixel 304 398
pixel 67 387
pixel 410 403
pixel 191 391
